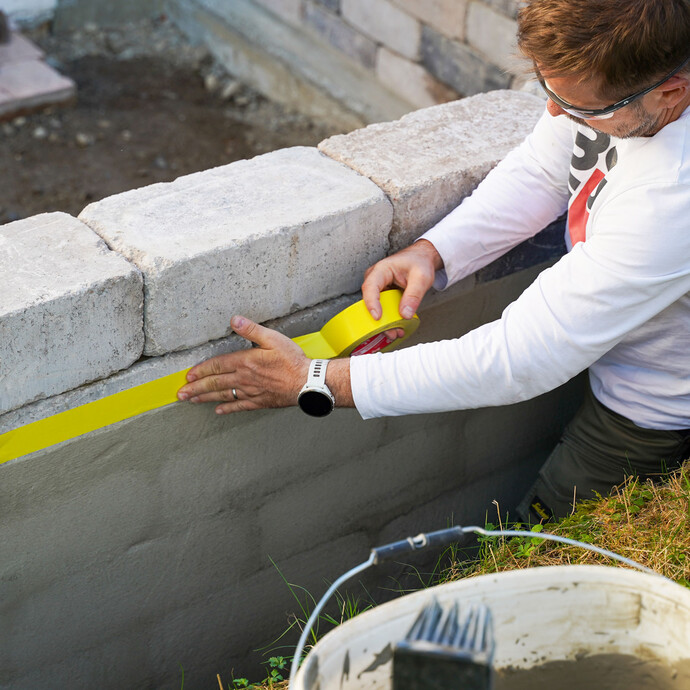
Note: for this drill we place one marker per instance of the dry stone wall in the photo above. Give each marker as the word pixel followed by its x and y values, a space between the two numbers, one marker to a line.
pixel 355 62
pixel 426 51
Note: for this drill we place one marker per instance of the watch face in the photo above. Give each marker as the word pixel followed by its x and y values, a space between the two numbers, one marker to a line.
pixel 315 403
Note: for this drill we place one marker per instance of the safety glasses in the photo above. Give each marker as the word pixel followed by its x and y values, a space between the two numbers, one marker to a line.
pixel 603 113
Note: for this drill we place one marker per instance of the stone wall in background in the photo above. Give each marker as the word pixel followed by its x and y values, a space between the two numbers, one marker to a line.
pixel 372 59
pixel 426 51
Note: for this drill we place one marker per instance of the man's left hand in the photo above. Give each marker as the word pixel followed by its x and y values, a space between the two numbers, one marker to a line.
pixel 270 375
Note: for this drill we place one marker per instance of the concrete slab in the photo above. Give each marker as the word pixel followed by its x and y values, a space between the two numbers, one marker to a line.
pixel 70 309
pixel 28 83
pixel 429 160
pixel 263 238
pixel 19 49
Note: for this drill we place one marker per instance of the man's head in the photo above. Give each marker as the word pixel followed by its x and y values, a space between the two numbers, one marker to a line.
pixel 604 51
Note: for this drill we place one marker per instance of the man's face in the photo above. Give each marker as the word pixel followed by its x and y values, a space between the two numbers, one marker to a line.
pixel 633 120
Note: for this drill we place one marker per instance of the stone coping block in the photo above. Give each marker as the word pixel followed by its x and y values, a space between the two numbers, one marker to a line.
pixel 429 160
pixel 263 237
pixel 71 311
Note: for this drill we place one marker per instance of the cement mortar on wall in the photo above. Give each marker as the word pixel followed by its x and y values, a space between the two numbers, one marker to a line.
pixel 145 546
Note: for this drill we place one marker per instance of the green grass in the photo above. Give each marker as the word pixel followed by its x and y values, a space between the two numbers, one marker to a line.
pixel 644 521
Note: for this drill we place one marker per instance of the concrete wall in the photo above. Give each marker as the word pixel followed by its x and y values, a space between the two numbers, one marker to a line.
pixel 360 61
pixel 136 549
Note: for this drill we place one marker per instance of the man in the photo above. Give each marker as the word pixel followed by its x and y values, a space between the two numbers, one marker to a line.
pixel 613 149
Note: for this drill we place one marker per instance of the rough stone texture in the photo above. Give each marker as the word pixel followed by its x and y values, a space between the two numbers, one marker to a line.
pixel 70 309
pixel 446 16
pixel 508 7
pixel 411 81
pixel 332 5
pixel 286 63
pixel 289 10
pixel 459 66
pixel 492 34
pixel 386 23
pixel 144 547
pixel 340 34
pixel 73 14
pixel 429 160
pixel 255 237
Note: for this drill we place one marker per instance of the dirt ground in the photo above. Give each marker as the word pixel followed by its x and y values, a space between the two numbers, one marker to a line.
pixel 150 107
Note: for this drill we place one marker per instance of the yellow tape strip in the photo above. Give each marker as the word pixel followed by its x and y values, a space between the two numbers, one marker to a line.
pixel 352 328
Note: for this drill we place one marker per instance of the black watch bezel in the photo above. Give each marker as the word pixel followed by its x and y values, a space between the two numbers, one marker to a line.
pixel 315 402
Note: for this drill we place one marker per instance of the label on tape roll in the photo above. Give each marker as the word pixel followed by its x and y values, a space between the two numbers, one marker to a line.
pixel 351 332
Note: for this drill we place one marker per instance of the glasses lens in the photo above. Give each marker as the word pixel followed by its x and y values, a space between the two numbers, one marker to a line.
pixel 565 106
pixel 585 116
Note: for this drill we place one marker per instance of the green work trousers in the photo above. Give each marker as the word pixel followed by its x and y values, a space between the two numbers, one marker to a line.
pixel 599 449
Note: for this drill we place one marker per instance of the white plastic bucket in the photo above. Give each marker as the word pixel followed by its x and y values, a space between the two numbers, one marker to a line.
pixel 539 615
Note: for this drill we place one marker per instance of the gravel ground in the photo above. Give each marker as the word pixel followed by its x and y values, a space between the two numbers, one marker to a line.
pixel 150 107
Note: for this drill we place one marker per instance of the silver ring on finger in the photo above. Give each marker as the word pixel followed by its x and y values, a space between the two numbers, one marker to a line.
pixel 234 394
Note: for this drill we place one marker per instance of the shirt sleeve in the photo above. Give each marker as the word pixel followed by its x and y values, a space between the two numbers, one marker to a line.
pixel 520 196
pixel 632 268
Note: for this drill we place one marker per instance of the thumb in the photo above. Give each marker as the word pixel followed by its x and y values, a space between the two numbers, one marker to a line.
pixel 261 336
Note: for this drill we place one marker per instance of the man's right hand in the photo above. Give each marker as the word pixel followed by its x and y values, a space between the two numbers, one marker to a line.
pixel 411 269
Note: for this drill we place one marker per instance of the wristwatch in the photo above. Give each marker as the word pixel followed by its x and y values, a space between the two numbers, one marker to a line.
pixel 315 398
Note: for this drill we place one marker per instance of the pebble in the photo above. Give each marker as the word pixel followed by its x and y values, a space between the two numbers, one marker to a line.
pixel 126 135
pixel 40 133
pixel 230 89
pixel 19 121
pixel 211 82
pixel 84 139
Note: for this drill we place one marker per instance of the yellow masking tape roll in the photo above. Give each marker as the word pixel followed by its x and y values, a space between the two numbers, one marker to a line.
pixel 352 331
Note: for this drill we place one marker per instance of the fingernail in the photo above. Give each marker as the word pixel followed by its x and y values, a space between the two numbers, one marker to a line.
pixel 238 322
pixel 191 377
pixel 407 312
pixel 195 399
pixel 376 314
pixel 183 396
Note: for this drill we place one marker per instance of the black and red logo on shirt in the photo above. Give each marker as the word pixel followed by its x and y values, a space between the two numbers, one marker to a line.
pixel 587 178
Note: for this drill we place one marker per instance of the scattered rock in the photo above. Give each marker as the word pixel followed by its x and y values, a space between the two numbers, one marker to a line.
pixel 230 89
pixel 160 162
pixel 40 132
pixel 84 139
pixel 211 82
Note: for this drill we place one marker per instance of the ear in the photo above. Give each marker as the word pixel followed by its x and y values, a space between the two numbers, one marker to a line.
pixel 673 91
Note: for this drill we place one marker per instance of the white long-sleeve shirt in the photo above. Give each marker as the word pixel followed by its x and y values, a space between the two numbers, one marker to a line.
pixel 618 302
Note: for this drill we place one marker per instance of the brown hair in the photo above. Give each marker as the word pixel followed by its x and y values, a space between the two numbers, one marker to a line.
pixel 626 44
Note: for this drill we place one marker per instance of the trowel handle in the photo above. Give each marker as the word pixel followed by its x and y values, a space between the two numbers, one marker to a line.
pixel 442 537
